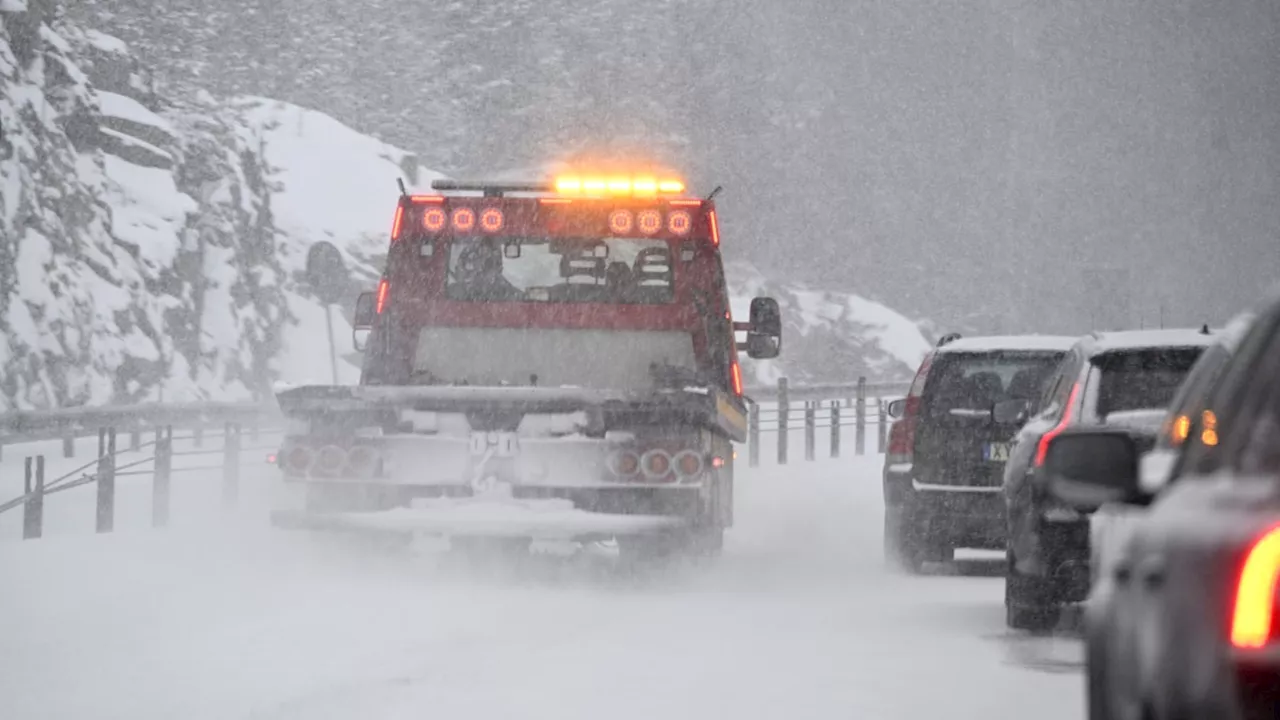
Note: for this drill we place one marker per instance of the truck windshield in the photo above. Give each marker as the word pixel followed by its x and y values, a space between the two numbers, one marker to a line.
pixel 558 270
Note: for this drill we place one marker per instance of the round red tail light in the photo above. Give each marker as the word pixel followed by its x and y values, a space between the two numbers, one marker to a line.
pixel 362 461
pixel 330 460
pixel 688 463
pixel 624 463
pixel 656 464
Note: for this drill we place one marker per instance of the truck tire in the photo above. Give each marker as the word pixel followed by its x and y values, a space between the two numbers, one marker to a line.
pixel 1028 600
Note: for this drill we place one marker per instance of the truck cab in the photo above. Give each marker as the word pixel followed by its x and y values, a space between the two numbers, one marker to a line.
pixel 567 342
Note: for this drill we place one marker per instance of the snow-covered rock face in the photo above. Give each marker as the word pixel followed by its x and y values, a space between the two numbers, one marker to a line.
pixel 154 248
pixel 137 250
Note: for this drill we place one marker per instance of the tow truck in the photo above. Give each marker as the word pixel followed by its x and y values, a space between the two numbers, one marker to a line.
pixel 542 360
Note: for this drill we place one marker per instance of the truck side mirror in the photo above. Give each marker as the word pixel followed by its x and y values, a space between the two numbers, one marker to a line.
pixel 362 320
pixel 764 339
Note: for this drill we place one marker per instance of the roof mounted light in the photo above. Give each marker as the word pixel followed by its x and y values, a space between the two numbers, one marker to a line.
pixel 617 185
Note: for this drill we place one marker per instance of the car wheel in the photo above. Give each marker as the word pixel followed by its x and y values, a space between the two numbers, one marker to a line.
pixel 1028 600
pixel 904 549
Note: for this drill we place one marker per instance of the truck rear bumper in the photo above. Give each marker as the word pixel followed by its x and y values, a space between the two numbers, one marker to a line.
pixel 539 519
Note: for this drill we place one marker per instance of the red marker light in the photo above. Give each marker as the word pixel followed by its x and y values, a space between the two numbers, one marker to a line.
pixel 434 219
pixel 421 199
pixel 649 221
pixel 395 224
pixel 491 220
pixel 715 228
pixel 621 222
pixel 736 373
pixel 679 222
pixel 384 288
pixel 464 219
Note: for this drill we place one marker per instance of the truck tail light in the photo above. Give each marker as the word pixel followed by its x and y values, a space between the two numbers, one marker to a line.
pixel 330 460
pixel 902 434
pixel 624 463
pixel 384 289
pixel 362 461
pixel 299 459
pixel 656 464
pixel 1253 617
pixel 688 464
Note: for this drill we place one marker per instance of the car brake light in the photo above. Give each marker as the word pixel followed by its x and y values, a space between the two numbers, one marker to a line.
pixel 384 288
pixel 1043 448
pixel 395 224
pixel 902 434
pixel 1254 612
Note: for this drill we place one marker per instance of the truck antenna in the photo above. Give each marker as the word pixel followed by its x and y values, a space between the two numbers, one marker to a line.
pixel 403 192
pixel 714 193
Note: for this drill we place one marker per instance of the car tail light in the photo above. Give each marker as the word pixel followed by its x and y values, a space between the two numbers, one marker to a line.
pixel 624 463
pixel 688 464
pixel 362 461
pixel 902 434
pixel 1043 448
pixel 656 464
pixel 1253 617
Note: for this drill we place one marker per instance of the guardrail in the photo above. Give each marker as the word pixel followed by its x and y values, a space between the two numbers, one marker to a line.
pixel 833 402
pixel 840 406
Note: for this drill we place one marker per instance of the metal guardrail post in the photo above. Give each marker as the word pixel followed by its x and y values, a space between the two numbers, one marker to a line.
pixel 882 427
pixel 810 427
pixel 835 428
pixel 860 434
pixel 783 412
pixel 231 465
pixel 106 480
pixel 135 439
pixel 753 434
pixel 160 489
pixel 68 446
pixel 33 508
pixel 197 436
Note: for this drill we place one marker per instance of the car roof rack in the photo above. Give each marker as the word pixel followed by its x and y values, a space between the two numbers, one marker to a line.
pixel 948 339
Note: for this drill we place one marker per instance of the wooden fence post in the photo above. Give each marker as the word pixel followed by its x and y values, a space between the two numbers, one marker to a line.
pixel 231 465
pixel 33 509
pixel 106 480
pixel 160 488
pixel 783 407
pixel 835 428
pixel 860 432
pixel 753 434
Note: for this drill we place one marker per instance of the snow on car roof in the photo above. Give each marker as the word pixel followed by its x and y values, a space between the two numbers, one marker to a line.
pixel 1010 342
pixel 1131 339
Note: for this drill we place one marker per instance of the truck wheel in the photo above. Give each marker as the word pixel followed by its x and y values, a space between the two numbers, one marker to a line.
pixel 707 541
pixel 1028 600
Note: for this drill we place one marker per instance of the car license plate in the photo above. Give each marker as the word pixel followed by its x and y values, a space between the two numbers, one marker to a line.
pixel 996 452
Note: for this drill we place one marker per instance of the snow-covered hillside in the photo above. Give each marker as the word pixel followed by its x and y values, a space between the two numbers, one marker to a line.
pixel 152 248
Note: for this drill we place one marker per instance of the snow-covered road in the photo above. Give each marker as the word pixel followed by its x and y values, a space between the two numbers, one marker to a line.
pixel 798 619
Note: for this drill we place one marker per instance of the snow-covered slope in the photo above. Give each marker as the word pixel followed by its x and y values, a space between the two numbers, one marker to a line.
pixel 153 248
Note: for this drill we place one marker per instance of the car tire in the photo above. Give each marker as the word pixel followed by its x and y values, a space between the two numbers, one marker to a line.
pixel 1028 600
pixel 904 549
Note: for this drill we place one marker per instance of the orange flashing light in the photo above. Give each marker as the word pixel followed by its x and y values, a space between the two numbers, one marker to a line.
pixel 1209 428
pixel 1043 448
pixel 735 372
pixel 1181 429
pixel 642 186
pixel 684 203
pixel 1254 609
pixel 715 228
pixel 395 224
pixel 554 201
pixel 384 289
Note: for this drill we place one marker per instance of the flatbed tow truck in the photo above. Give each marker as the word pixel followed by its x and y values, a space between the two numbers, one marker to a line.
pixel 545 360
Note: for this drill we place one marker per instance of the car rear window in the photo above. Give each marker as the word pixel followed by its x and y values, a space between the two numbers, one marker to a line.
pixel 1144 379
pixel 977 381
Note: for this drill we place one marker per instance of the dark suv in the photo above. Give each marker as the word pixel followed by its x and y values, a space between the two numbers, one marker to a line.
pixel 946 454
pixel 1121 379
pixel 1189 626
